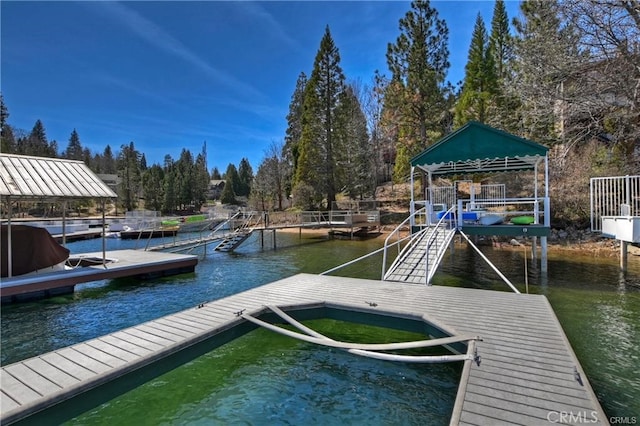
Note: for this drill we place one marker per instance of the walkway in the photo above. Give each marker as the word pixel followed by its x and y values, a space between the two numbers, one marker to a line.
pixel 528 372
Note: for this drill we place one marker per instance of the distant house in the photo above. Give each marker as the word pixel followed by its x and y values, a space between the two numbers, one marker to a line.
pixel 216 187
pixel 112 181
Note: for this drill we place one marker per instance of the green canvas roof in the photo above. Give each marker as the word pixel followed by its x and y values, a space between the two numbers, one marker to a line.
pixel 476 147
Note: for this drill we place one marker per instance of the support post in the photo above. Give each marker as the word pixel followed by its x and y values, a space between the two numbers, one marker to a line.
pixel 64 223
pixel 104 240
pixel 543 257
pixel 274 239
pixel 623 256
pixel 9 244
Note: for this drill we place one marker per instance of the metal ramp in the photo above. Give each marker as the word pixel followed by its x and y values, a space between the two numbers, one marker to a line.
pixel 420 258
pixel 232 241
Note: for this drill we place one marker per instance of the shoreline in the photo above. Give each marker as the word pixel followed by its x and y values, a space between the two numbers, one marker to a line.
pixel 593 244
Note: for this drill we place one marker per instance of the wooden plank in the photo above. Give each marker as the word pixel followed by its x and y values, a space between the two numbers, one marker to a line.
pixel 52 373
pixel 7 403
pixel 146 345
pixel 112 350
pixel 68 367
pixel 81 359
pixel 99 355
pixel 151 338
pixel 125 345
pixel 36 382
pixel 18 391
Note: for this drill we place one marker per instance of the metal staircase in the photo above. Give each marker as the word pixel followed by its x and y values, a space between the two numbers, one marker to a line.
pixel 242 231
pixel 232 241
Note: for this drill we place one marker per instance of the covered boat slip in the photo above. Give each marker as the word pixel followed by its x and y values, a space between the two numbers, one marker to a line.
pixel 38 179
pixel 527 372
pixel 477 150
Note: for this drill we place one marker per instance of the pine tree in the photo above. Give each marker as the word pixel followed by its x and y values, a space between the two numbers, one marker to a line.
pixel 231 186
pixel 480 83
pixel 153 187
pixel 7 138
pixel 108 162
pixel 74 149
pixel 317 155
pixel 416 95
pixel 215 174
pixel 245 178
pixel 355 169
pixel 169 203
pixel 36 143
pixel 129 171
pixel 546 54
pixel 291 148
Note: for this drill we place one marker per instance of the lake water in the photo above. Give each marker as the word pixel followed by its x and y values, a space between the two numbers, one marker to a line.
pixel 597 305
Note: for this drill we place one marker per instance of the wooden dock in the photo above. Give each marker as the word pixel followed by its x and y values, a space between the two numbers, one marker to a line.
pixel 528 374
pixel 121 263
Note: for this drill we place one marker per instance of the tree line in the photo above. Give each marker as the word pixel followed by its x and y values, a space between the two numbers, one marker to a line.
pixel 180 185
pixel 564 74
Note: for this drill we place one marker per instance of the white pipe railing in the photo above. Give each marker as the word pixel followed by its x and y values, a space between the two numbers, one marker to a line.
pixel 449 216
pixel 396 233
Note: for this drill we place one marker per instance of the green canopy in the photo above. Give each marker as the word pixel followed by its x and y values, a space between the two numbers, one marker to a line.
pixel 476 147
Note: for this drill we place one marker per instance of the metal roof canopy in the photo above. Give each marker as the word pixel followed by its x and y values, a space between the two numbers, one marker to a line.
pixel 26 178
pixel 35 178
pixel 478 148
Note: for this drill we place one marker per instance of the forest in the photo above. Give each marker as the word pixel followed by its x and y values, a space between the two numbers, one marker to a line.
pixel 565 74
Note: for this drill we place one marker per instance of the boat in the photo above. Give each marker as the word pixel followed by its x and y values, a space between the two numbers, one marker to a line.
pixel 490 219
pixel 523 220
pixel 33 250
pixel 163 231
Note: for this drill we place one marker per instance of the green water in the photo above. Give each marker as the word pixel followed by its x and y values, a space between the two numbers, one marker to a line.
pixel 262 378
pixel 598 307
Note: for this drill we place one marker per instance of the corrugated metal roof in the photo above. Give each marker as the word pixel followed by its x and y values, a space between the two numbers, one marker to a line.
pixel 24 176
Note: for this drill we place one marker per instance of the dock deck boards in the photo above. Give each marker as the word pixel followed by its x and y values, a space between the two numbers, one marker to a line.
pixel 128 263
pixel 527 369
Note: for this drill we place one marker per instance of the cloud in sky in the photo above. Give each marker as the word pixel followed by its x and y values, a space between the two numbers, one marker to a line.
pixel 162 40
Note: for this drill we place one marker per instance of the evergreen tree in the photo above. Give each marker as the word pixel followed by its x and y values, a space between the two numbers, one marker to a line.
pixel 355 165
pixel 129 171
pixel 500 40
pixel 169 202
pixel 245 178
pixel 74 149
pixel 215 174
pixel 546 54
pixel 317 146
pixel 293 135
pixel 480 83
pixel 153 187
pixel 200 181
pixel 108 162
pixel 36 143
pixel 231 186
pixel 505 113
pixel 418 61
pixel 7 138
pixel 184 179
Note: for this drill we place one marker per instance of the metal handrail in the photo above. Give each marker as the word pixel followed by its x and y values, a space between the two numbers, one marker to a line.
pixel 432 239
pixel 397 232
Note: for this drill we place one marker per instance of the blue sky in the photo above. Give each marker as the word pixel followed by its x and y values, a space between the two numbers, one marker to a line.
pixel 171 75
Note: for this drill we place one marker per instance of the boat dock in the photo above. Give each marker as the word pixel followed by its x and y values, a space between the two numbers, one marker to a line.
pixel 90 267
pixel 527 372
